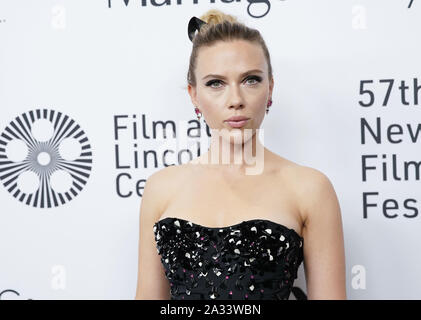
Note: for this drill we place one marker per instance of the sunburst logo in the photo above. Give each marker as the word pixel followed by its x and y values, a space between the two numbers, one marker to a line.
pixel 45 158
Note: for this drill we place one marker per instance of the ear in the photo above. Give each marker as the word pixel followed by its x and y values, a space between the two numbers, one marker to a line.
pixel 192 92
pixel 271 87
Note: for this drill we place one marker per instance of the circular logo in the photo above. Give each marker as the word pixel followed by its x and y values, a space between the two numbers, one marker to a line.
pixel 45 158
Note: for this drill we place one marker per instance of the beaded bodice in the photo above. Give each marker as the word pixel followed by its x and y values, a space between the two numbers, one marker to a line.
pixel 252 260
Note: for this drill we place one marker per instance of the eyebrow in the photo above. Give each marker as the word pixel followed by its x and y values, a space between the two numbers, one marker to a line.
pixel 241 75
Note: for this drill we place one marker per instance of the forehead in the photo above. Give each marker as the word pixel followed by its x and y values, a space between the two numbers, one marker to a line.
pixel 233 56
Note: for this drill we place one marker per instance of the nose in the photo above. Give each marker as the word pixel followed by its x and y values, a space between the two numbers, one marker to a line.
pixel 235 99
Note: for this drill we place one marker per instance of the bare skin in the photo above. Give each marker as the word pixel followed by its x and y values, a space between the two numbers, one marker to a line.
pixel 215 197
pixel 220 195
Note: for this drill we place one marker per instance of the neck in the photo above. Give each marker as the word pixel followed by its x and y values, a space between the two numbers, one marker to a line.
pixel 242 153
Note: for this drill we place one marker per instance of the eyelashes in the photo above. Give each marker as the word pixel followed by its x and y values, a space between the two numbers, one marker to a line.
pixel 211 82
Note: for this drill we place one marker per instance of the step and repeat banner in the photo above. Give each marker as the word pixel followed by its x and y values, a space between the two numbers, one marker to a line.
pixel 93 100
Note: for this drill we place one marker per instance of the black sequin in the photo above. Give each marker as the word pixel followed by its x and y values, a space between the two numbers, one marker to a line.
pixel 253 260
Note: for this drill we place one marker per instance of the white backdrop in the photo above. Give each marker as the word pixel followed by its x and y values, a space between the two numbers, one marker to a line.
pixel 115 67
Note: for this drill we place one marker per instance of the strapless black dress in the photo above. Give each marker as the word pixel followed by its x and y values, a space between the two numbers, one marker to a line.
pixel 253 260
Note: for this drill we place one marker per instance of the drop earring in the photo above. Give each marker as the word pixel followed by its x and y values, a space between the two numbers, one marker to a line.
pixel 198 113
pixel 269 104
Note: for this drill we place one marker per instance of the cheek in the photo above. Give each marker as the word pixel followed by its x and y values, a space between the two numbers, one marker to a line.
pixel 206 103
pixel 211 110
pixel 211 115
pixel 259 110
pixel 259 115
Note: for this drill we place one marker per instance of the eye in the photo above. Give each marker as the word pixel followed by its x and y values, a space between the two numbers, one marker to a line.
pixel 256 78
pixel 211 82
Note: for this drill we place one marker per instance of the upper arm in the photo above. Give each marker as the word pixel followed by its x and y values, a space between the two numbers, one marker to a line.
pixel 324 256
pixel 151 280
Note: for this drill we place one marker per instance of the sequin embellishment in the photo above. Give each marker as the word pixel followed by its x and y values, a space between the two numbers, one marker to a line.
pixel 253 260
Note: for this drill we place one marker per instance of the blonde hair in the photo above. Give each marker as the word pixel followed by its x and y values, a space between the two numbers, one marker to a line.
pixel 222 27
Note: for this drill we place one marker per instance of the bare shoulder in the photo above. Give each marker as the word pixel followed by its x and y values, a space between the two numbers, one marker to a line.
pixel 316 193
pixel 169 178
pixel 160 186
pixel 323 233
pixel 163 175
pixel 311 186
pixel 311 179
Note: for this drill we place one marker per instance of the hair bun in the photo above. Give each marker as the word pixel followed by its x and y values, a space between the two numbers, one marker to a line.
pixel 215 16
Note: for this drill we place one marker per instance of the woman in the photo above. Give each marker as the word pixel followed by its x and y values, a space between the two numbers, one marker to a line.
pixel 211 230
